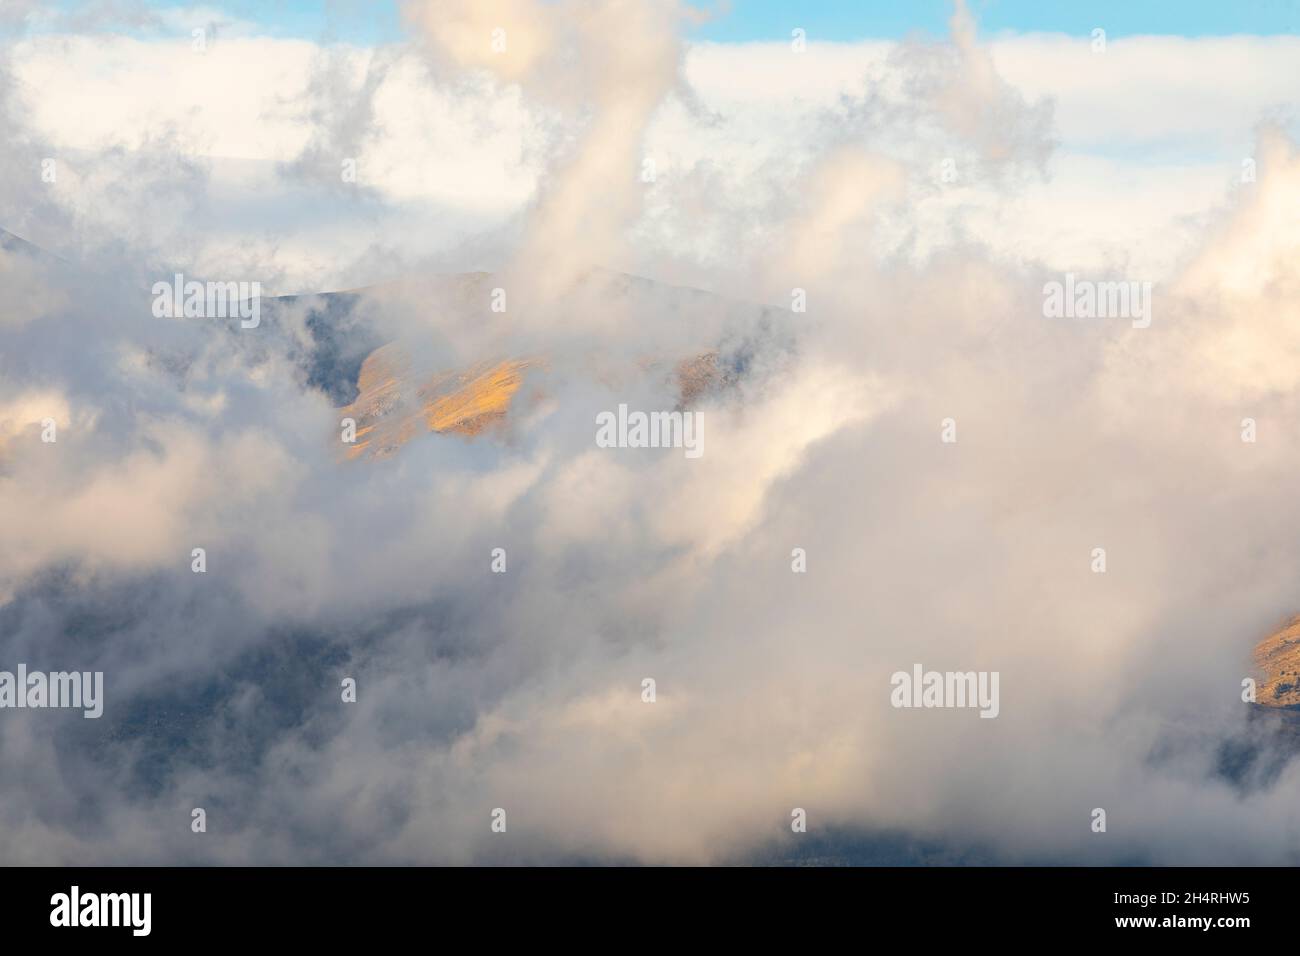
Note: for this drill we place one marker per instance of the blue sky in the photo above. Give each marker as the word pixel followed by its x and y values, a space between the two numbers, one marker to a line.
pixel 747 20
pixel 856 19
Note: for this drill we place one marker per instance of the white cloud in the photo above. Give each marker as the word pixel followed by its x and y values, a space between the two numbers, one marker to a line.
pixel 522 689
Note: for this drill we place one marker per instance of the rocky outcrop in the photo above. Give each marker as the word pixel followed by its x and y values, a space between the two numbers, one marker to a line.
pixel 1255 755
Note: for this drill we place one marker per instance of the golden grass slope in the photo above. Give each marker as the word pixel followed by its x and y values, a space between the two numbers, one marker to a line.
pixel 1277 665
pixel 389 410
